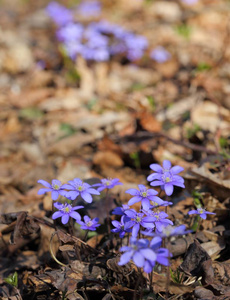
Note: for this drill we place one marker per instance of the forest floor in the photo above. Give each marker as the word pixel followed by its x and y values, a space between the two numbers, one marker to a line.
pixel 63 120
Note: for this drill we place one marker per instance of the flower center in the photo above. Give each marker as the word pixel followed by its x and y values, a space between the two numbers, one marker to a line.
pixel 167 179
pixel 55 186
pixel 138 219
pixel 144 194
pixel 201 210
pixel 80 188
pixel 157 217
pixel 90 223
pixel 66 209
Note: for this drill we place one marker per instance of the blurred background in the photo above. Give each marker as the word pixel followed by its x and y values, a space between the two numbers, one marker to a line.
pixel 104 88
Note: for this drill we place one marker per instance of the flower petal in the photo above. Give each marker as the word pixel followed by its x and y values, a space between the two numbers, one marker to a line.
pixel 43 191
pixel 45 183
pixel 168 189
pixel 145 203
pixel 75 215
pixel 148 254
pixel 65 219
pixel 87 197
pixel 135 230
pixel 57 214
pixel 125 258
pixel 133 192
pixel 167 164
pixel 54 195
pixel 176 169
pixel 134 200
pixel 157 183
pixel 156 167
pixel 138 259
pixel 93 191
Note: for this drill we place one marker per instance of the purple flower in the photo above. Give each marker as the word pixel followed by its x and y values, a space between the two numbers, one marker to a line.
pixel 169 231
pixel 78 187
pixel 145 254
pixel 59 14
pixel 189 2
pixel 70 32
pixel 201 212
pixel 120 210
pixel 65 211
pixel 163 255
pixel 89 8
pixel 56 188
pixel 160 54
pixel 160 221
pixel 166 176
pixel 107 183
pixel 138 251
pixel 89 224
pixel 160 203
pixel 120 227
pixel 144 195
pixel 137 220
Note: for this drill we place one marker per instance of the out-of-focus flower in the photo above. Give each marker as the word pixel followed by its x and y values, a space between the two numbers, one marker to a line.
pixel 144 195
pixel 189 2
pixel 138 251
pixel 166 176
pixel 89 8
pixel 201 212
pixel 70 32
pixel 169 231
pixel 56 188
pixel 120 227
pixel 107 183
pixel 78 187
pixel 59 14
pixel 160 54
pixel 89 224
pixel 144 254
pixel 65 211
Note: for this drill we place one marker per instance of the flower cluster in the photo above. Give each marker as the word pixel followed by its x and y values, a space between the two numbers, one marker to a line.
pixel 149 220
pixel 97 41
pixel 75 189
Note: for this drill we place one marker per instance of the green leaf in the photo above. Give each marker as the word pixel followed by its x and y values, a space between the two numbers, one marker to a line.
pixel 12 279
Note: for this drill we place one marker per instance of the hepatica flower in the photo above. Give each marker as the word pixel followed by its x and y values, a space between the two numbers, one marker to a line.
pixel 89 224
pixel 56 188
pixel 144 254
pixel 89 8
pixel 107 183
pixel 160 54
pixel 138 251
pixel 59 13
pixel 169 231
pixel 166 176
pixel 189 2
pixel 144 196
pixel 65 211
pixel 201 212
pixel 160 221
pixel 120 227
pixel 78 187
